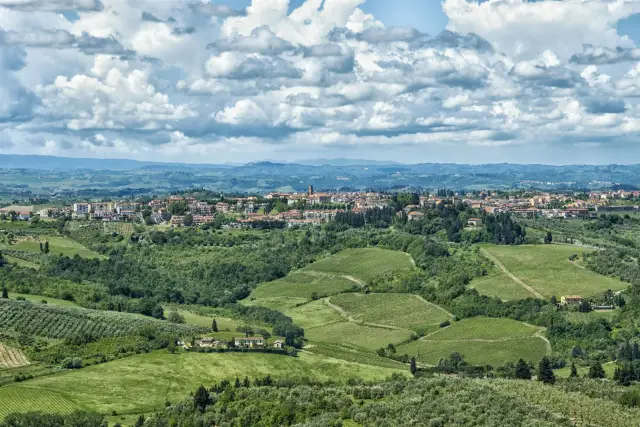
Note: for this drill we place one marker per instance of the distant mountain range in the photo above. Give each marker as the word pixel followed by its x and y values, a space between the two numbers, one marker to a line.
pixel 49 173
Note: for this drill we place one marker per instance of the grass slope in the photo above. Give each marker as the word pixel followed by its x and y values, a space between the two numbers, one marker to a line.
pixel 548 270
pixel 303 285
pixel 25 399
pixel 357 336
pixel 143 383
pixel 57 245
pixel 501 286
pixel 37 299
pixel 363 264
pixel 403 311
pixel 481 340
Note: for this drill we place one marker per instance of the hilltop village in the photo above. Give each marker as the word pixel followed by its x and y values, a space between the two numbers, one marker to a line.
pixel 278 210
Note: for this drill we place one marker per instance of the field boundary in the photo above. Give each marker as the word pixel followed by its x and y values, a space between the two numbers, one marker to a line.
pixel 502 267
pixel 355 280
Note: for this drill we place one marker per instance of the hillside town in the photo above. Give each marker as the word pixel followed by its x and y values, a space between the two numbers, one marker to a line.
pixel 315 208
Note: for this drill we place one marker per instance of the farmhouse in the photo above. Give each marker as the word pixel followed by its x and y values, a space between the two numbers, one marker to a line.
pixel 415 215
pixel 279 344
pixel 209 343
pixel 250 342
pixel 570 299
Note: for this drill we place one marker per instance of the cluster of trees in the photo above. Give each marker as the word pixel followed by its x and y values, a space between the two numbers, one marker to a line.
pixel 376 217
pixel 504 230
pixel 281 324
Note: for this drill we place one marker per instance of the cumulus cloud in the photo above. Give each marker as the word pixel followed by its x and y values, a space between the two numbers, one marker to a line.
pixel 602 55
pixel 184 79
pixel 52 5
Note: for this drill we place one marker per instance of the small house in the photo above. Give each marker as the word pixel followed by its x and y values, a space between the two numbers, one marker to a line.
pixel 474 222
pixel 250 342
pixel 412 216
pixel 279 344
pixel 570 299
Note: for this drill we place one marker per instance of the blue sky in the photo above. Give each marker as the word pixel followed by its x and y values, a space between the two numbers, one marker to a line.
pixel 466 81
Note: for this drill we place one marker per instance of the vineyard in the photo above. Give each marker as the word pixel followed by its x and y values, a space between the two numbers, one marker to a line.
pixel 125 228
pixel 61 322
pixel 11 357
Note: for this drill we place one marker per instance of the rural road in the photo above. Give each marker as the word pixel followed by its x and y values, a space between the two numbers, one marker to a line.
pixel 501 266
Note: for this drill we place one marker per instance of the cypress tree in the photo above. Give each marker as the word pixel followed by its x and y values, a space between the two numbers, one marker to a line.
pixel 214 326
pixel 140 421
pixel 574 371
pixel 201 399
pixel 545 373
pixel 523 371
pixel 5 292
pixel 596 371
pixel 412 366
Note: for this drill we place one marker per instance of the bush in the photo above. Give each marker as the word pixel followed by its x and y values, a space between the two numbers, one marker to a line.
pixel 445 324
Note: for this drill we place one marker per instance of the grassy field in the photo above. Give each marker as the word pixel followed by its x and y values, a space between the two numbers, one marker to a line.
pixel 357 336
pixel 501 286
pixel 398 310
pixel 21 262
pixel 37 299
pixel 609 369
pixel 362 264
pixel 303 285
pixel 226 327
pixel 481 341
pixel 57 245
pixel 143 383
pixel 548 270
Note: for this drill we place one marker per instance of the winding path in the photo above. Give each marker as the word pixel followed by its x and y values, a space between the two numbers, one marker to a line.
pixel 501 266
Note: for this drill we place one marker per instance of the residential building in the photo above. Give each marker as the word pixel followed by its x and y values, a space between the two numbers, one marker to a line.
pixel 474 222
pixel 250 342
pixel 81 208
pixel 570 299
pixel 222 207
pixel 177 221
pixel 279 344
pixel 412 216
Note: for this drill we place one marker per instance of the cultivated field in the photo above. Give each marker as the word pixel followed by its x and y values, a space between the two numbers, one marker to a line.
pixel 501 286
pixel 124 228
pixel 61 322
pixel 547 269
pixel 25 399
pixel 12 357
pixel 481 341
pixel 143 383
pixel 362 264
pixel 403 311
pixel 358 336
pixel 57 245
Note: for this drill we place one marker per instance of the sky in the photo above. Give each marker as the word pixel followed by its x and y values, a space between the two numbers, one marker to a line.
pixel 200 81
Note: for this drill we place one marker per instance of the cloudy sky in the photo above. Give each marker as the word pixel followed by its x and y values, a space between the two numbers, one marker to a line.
pixel 463 81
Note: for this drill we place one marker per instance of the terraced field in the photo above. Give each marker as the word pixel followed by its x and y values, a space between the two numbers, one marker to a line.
pixel 546 269
pixel 12 357
pixel 482 341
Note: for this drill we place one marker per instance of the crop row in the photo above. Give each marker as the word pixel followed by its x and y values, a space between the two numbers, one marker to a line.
pixel 61 322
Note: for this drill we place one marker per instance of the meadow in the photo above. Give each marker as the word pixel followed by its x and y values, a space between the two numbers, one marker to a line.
pixel 404 311
pixel 357 336
pixel 362 264
pixel 547 269
pixel 303 285
pixel 143 383
pixel 500 286
pixel 481 341
pixel 57 245
pixel 38 299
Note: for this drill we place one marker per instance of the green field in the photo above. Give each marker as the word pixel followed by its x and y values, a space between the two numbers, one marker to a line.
pixel 403 311
pixel 358 336
pixel 21 262
pixel 362 264
pixel 481 341
pixel 501 286
pixel 303 285
pixel 548 270
pixel 25 399
pixel 609 369
pixel 143 383
pixel 37 299
pixel 57 245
